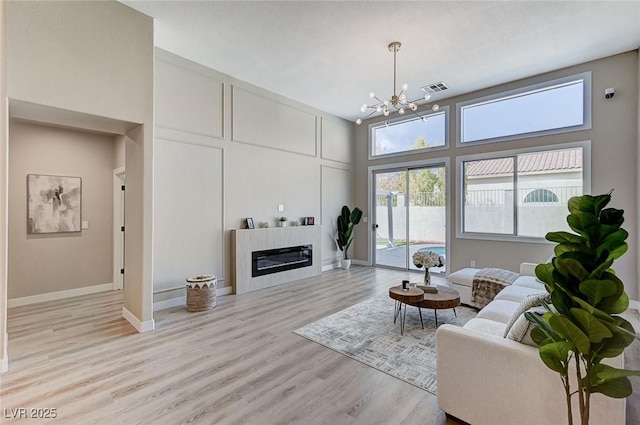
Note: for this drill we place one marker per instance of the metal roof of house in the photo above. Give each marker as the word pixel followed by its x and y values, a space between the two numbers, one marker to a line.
pixel 530 163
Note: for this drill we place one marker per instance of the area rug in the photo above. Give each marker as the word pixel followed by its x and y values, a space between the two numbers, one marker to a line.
pixel 366 332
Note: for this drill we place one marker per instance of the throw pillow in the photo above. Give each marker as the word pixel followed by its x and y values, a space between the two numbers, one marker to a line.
pixel 521 329
pixel 529 301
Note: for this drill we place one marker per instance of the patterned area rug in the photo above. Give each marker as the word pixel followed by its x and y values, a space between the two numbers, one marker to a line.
pixel 366 332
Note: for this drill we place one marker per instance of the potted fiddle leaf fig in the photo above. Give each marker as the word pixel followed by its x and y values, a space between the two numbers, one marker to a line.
pixel 347 220
pixel 582 326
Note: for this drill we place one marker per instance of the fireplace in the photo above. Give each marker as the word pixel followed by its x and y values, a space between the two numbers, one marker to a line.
pixel 281 259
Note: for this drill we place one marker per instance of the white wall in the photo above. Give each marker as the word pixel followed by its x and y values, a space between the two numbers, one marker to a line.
pixel 46 263
pixel 614 145
pixel 247 151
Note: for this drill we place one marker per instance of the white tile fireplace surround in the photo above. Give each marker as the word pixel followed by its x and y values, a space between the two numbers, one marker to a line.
pixel 246 241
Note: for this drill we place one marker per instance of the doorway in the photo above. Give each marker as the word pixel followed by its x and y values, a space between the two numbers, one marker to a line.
pixel 409 214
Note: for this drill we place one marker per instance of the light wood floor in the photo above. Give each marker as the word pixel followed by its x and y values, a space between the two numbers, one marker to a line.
pixel 239 363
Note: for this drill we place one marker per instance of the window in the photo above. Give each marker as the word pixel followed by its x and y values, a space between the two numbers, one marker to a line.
pixel 520 194
pixel 410 135
pixel 553 107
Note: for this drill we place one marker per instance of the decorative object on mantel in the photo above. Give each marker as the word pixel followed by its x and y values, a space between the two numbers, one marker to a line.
pixel 427 259
pixel 308 221
pixel 347 220
pixel 282 222
pixel 201 292
pixel 398 101
pixel 296 223
pixel 250 224
pixel 266 225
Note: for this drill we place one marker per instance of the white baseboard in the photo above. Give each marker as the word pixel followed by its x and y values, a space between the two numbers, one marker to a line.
pixel 360 263
pixel 59 295
pixel 334 265
pixel 182 301
pixel 141 327
pixel 4 365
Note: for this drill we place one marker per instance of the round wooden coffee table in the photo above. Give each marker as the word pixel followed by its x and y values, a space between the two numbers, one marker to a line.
pixel 444 298
pixel 410 296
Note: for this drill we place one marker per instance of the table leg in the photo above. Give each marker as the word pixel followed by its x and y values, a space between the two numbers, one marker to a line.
pixel 454 312
pixel 396 310
pixel 404 316
pixel 421 323
pixel 435 313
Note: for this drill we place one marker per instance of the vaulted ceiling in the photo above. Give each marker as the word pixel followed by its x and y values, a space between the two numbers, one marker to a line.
pixel 331 54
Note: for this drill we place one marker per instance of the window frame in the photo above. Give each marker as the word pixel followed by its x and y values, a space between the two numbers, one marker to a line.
pixel 398 120
pixel 586 125
pixel 460 197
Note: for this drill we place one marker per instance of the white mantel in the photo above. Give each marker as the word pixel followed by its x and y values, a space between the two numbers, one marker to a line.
pixel 246 241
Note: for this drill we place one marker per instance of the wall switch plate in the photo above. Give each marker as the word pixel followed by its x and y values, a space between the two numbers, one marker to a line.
pixel 85 224
pixel 280 207
pixel 365 219
pixel 473 263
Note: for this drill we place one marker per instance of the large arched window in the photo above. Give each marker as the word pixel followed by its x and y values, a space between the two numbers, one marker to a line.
pixel 541 195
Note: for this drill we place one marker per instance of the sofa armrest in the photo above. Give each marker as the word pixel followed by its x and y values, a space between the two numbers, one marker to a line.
pixel 528 269
pixel 487 380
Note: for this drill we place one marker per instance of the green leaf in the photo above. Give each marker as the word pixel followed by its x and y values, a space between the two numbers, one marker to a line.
pixel 562 237
pixel 596 290
pixel 544 272
pixel 355 215
pixel 570 332
pixel 618 388
pixel 612 217
pixel 555 356
pixel 615 305
pixel 570 266
pixel 591 326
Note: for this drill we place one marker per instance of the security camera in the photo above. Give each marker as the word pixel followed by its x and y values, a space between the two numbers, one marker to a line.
pixel 609 93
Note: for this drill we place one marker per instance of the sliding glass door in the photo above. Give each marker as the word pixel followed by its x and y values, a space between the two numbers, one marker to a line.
pixel 409 215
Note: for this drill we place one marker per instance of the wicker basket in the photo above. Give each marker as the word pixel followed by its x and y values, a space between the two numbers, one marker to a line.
pixel 201 293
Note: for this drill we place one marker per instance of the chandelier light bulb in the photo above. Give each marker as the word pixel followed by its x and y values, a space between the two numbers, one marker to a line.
pixel 358 121
pixel 427 96
pixel 404 86
pixel 386 124
pixel 372 95
pixel 413 106
pixel 378 108
pixel 386 103
pixel 435 108
pixel 401 111
pixel 385 112
pixel 424 119
pixel 363 107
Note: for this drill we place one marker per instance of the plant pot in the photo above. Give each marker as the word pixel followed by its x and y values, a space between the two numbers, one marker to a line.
pixel 281 223
pixel 346 264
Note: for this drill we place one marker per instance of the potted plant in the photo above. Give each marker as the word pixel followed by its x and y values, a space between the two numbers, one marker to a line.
pixel 282 221
pixel 347 220
pixel 582 326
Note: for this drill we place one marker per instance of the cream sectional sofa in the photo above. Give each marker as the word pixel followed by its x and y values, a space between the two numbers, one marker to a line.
pixel 487 379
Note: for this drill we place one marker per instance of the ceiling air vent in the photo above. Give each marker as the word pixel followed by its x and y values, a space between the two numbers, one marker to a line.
pixel 435 87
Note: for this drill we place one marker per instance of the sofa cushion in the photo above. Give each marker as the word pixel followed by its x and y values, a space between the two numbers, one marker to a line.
pixel 463 277
pixel 530 282
pixel 516 293
pixel 498 310
pixel 521 329
pixel 532 300
pixel 490 327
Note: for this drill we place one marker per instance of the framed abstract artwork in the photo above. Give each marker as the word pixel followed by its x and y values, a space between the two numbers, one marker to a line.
pixel 54 204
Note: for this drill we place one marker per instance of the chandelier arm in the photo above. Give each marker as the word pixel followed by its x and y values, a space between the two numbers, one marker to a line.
pixel 416 114
pixel 369 115
pixel 395 52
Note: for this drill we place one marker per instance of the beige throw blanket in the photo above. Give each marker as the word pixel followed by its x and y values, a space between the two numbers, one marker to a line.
pixel 487 283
